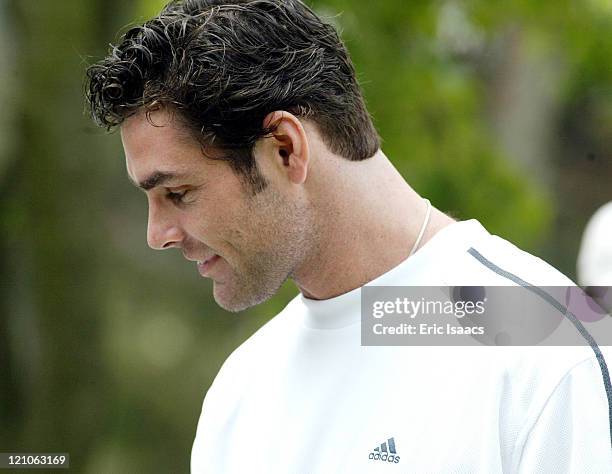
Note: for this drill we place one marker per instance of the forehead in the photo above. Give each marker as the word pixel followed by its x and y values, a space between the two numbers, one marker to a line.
pixel 159 142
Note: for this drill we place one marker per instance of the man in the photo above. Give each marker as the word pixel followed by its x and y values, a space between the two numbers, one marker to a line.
pixel 245 125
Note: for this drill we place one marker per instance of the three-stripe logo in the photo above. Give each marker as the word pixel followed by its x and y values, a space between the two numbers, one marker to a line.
pixel 385 452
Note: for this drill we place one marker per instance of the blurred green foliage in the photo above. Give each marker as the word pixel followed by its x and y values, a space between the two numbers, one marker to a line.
pixel 106 347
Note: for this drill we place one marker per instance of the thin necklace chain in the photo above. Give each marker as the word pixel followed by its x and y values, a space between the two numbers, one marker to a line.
pixel 423 227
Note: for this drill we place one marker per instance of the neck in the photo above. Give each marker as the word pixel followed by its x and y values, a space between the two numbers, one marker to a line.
pixel 368 220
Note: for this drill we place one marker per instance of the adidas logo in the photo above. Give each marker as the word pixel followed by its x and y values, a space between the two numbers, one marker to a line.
pixel 385 452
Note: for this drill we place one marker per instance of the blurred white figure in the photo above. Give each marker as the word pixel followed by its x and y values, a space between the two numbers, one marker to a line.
pixel 594 266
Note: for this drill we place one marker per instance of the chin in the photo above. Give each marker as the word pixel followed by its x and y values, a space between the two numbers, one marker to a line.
pixel 236 295
pixel 235 299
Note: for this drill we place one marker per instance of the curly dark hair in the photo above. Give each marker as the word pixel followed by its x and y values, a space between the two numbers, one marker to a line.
pixel 223 65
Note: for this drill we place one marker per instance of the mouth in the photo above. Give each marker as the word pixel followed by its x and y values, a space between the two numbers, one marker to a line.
pixel 205 266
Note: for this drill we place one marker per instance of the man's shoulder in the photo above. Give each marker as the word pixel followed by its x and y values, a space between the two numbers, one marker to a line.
pixel 492 260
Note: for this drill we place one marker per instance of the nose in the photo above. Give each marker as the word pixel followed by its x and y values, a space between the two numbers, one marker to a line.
pixel 162 230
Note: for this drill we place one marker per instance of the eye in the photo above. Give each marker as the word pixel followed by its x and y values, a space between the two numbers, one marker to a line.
pixel 177 198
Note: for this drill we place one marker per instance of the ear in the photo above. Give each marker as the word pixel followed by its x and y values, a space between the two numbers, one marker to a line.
pixel 287 146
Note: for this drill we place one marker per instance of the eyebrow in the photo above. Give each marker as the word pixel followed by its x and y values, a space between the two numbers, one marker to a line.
pixel 157 178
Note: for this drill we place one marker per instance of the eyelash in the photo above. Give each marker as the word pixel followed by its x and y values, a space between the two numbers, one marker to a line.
pixel 176 198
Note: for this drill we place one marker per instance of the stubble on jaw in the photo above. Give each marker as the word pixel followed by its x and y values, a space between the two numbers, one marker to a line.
pixel 273 240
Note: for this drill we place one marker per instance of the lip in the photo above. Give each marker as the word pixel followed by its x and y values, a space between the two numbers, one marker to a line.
pixel 205 267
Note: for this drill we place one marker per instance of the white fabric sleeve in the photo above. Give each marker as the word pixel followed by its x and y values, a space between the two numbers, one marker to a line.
pixel 571 434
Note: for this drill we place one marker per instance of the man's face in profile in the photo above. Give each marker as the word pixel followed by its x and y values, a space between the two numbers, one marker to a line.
pixel 247 244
